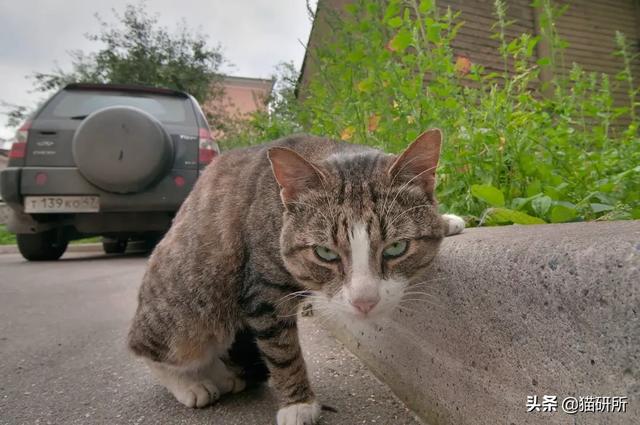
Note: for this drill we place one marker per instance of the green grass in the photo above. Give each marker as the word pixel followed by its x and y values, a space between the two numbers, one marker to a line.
pixel 8 238
pixel 94 239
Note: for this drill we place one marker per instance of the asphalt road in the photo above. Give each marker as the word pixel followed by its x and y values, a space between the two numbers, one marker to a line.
pixel 63 358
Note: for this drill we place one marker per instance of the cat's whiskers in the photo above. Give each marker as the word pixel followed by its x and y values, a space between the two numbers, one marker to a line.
pixel 410 293
pixel 422 300
pixel 419 301
pixel 410 310
pixel 298 294
pixel 335 304
pixel 326 315
pixel 421 290
pixel 426 293
pixel 323 311
pixel 425 282
pixel 307 298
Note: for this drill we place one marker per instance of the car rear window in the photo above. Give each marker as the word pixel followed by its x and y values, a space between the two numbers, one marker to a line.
pixel 79 104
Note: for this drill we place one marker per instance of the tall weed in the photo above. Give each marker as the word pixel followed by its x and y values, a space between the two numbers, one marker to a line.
pixel 388 71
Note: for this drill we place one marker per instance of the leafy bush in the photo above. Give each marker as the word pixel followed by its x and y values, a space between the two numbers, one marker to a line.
pixel 388 72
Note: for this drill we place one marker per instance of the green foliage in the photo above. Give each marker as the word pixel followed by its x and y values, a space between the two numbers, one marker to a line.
pixel 16 114
pixel 387 71
pixel 488 194
pixel 498 216
pixel 6 238
pixel 136 50
pixel 279 120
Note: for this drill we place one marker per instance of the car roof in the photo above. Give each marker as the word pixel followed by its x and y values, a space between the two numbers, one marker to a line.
pixel 133 88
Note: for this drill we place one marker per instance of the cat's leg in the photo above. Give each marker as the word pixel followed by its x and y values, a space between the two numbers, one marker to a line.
pixel 278 341
pixel 453 224
pixel 197 385
pixel 187 386
pixel 183 327
pixel 184 355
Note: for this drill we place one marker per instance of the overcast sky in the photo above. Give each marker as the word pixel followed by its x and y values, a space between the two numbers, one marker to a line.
pixel 255 35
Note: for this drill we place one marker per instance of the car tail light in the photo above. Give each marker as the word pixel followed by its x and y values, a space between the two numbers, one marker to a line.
pixel 19 146
pixel 208 148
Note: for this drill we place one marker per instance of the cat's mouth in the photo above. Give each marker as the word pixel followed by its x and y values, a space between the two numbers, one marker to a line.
pixel 343 306
pixel 365 316
pixel 378 312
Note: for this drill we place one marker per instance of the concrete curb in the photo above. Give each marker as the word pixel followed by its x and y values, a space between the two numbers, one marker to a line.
pixel 4 213
pixel 85 247
pixel 515 312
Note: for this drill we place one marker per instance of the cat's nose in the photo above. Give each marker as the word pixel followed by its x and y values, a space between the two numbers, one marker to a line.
pixel 364 305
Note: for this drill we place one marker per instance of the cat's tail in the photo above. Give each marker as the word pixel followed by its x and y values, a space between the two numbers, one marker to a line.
pixel 454 224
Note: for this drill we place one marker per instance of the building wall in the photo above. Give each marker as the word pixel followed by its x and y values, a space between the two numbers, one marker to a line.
pixel 242 96
pixel 588 26
pixel 319 32
pixel 474 38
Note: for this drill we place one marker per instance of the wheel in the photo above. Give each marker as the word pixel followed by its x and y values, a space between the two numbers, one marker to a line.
pixel 114 246
pixel 45 246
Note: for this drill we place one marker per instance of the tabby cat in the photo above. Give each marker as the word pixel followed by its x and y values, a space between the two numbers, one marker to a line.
pixel 265 226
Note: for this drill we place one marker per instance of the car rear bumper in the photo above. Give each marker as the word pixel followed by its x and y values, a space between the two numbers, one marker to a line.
pixel 120 224
pixel 149 211
pixel 10 186
pixel 165 195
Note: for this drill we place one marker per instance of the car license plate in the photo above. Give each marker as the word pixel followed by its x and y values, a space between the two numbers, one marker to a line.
pixel 61 204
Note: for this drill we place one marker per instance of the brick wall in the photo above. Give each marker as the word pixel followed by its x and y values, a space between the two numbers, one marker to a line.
pixel 588 25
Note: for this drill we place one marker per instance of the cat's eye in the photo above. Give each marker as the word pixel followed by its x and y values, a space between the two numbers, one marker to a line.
pixel 395 250
pixel 325 254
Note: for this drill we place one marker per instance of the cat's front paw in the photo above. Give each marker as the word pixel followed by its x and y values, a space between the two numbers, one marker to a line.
pixel 196 394
pixel 454 224
pixel 299 414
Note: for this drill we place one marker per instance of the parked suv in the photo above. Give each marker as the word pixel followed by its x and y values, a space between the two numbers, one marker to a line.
pixel 110 160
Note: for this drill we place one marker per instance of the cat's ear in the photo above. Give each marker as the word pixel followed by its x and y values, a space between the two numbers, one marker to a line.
pixel 419 161
pixel 293 173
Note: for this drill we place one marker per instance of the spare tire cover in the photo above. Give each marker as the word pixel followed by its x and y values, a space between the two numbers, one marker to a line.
pixel 122 149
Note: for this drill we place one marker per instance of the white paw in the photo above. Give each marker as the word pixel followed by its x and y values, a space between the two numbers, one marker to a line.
pixel 299 414
pixel 455 224
pixel 197 394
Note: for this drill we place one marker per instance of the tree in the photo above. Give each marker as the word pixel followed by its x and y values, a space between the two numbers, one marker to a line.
pixel 136 50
